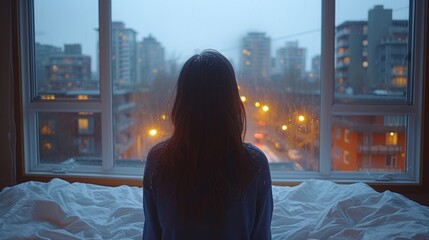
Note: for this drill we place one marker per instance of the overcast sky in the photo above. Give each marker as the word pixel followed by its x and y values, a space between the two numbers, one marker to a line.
pixel 188 26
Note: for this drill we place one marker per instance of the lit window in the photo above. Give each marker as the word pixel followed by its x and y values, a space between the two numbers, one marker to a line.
pixel 83 125
pixel 346 135
pixel 391 138
pixel 346 156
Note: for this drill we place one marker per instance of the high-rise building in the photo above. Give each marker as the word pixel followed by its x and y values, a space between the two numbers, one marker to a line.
pixel 372 55
pixel 68 70
pixel 314 74
pixel 392 56
pixel 124 55
pixel 150 60
pixel 351 56
pixel 255 59
pixel 290 60
pixel 42 54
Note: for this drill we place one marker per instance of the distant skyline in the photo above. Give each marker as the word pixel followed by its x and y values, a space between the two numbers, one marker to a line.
pixel 189 26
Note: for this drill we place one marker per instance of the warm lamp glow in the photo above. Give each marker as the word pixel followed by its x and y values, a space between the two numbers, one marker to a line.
pixel 265 108
pixel 152 132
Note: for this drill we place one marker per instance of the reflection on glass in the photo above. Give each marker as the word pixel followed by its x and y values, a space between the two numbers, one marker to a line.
pixel 369 143
pixel 371 51
pixel 276 60
pixel 65 49
pixel 70 138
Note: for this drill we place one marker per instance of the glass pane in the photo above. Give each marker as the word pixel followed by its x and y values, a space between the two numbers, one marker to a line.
pixel 369 143
pixel 66 55
pixel 69 138
pixel 371 51
pixel 276 57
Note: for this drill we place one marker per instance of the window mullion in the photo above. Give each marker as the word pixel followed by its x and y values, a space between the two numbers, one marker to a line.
pixel 106 91
pixel 358 109
pixel 415 120
pixel 72 106
pixel 327 84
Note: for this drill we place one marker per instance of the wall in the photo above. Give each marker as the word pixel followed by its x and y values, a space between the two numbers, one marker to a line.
pixel 7 176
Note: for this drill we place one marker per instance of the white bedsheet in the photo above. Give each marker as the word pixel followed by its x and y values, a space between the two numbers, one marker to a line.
pixel 314 209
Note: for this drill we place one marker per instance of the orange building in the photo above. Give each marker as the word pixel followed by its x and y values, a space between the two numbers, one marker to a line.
pixel 368 143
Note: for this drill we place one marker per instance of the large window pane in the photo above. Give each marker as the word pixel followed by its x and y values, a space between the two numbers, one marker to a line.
pixel 369 143
pixel 65 47
pixel 69 138
pixel 274 47
pixel 371 51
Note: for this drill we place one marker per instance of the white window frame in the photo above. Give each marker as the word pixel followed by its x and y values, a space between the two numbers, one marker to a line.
pixel 328 106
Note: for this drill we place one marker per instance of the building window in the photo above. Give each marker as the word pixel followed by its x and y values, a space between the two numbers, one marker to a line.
pixel 346 135
pixel 338 132
pixel 391 161
pixel 98 87
pixel 86 145
pixel 391 138
pixel 346 156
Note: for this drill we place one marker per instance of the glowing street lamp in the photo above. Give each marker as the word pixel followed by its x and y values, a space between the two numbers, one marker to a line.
pixel 301 118
pixel 243 98
pixel 153 132
pixel 257 104
pixel 284 127
pixel 265 108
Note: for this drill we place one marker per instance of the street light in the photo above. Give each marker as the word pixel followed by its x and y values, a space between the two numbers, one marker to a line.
pixel 265 108
pixel 301 118
pixel 257 104
pixel 243 98
pixel 153 132
pixel 284 127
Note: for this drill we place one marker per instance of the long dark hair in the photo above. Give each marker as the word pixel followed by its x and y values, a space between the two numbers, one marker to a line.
pixel 204 161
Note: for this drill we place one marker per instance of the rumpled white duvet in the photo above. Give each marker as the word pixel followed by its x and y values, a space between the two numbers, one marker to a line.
pixel 315 209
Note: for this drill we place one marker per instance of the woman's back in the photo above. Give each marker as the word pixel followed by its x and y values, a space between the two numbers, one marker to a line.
pixel 246 217
pixel 203 182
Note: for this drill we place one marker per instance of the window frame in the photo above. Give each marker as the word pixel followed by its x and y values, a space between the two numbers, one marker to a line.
pixel 104 104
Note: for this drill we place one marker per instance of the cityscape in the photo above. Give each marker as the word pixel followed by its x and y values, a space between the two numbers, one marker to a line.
pixel 281 97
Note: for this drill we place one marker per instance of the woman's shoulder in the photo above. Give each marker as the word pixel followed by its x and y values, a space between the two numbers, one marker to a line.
pixel 155 154
pixel 157 149
pixel 257 156
pixel 255 152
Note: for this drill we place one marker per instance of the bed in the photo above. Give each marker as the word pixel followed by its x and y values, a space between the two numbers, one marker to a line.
pixel 315 209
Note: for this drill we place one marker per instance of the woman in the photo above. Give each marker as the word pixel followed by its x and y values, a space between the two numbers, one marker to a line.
pixel 204 182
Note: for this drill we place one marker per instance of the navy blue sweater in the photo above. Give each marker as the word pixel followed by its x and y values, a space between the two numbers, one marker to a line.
pixel 246 218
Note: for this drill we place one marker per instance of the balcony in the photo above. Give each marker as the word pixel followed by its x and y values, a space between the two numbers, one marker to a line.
pixel 379 149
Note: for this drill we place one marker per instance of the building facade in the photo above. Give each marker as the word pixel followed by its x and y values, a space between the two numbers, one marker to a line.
pixel 124 55
pixel 255 59
pixel 290 60
pixel 69 70
pixel 151 60
pixel 368 143
pixel 372 55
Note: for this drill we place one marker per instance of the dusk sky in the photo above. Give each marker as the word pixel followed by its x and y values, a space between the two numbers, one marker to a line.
pixel 188 26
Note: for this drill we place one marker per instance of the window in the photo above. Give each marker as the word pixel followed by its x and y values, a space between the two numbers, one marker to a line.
pixel 96 89
pixel 346 158
pixel 346 135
